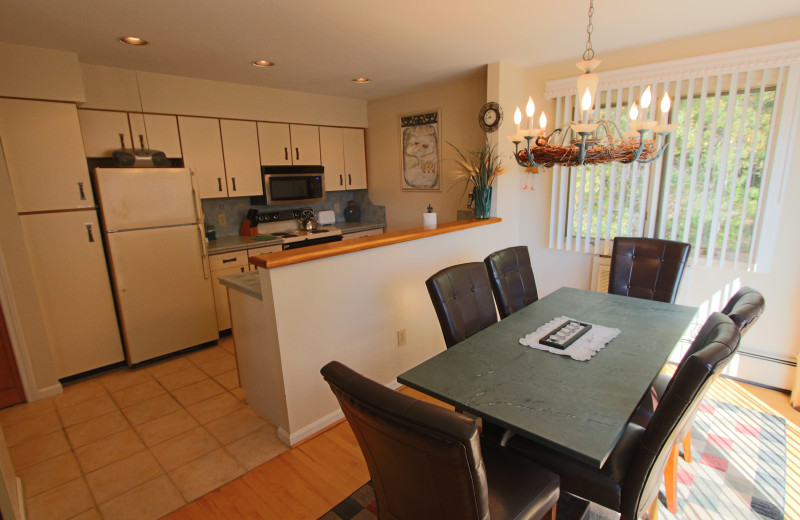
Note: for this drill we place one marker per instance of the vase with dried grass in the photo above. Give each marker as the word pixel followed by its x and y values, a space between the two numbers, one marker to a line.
pixel 479 168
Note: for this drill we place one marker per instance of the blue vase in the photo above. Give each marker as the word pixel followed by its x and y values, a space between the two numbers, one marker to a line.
pixel 482 195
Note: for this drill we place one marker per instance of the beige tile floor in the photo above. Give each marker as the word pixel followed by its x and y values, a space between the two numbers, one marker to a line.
pixel 137 443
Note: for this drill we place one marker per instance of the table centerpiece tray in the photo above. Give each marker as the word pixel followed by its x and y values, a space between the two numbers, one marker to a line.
pixel 565 334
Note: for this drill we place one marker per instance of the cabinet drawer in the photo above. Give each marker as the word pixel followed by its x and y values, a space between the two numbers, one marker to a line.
pixel 226 260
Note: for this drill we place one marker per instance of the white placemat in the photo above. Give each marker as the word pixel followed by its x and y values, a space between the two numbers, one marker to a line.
pixel 584 348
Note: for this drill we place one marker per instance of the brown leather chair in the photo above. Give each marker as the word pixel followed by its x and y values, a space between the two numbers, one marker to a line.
pixel 429 462
pixel 463 301
pixel 648 268
pixel 629 480
pixel 745 307
pixel 511 276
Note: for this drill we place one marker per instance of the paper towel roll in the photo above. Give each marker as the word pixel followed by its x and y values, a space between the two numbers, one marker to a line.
pixel 429 220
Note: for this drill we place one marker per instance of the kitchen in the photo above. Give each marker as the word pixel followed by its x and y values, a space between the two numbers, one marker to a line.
pixel 116 90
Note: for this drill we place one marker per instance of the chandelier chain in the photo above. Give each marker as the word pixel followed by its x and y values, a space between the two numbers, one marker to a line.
pixel 588 54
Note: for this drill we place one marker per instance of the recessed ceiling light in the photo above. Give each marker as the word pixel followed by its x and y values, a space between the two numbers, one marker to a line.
pixel 262 63
pixel 361 80
pixel 133 40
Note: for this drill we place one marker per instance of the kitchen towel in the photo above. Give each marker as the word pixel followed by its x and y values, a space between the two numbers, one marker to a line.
pixel 583 349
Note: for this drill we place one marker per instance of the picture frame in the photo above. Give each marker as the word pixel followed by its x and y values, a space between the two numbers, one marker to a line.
pixel 421 151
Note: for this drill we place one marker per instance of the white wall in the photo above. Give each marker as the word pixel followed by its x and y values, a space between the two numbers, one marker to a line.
pixel 459 102
pixel 777 335
pixel 349 308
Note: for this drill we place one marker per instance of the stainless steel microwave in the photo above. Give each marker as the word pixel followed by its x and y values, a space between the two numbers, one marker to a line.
pixel 293 184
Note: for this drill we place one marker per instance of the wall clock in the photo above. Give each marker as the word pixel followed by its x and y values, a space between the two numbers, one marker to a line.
pixel 490 117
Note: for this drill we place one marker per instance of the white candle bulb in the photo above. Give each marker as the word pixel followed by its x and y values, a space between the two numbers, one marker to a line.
pixel 530 108
pixel 665 103
pixel 646 98
pixel 542 121
pixel 586 100
pixel 633 115
pixel 517 120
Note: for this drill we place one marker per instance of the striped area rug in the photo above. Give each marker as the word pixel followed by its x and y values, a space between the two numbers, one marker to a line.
pixel 738 471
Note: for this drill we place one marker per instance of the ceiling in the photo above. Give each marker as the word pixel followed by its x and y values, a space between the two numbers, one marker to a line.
pixel 319 46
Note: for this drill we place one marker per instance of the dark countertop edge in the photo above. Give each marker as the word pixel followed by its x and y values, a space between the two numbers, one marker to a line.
pixel 239 243
pixel 306 254
pixel 355 227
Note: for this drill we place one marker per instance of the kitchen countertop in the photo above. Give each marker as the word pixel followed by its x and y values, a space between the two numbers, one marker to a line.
pixel 249 283
pixel 237 243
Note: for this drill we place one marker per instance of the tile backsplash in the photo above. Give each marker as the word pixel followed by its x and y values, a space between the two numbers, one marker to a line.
pixel 234 209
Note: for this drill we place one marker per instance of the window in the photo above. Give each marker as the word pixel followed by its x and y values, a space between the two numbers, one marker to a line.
pixel 719 168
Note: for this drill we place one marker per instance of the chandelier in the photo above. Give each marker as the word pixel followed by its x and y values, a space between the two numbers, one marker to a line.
pixel 583 142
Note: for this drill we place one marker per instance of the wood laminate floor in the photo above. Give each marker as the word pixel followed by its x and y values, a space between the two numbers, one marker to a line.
pixel 307 481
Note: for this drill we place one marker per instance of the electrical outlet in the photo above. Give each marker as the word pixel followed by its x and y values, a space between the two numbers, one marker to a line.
pixel 221 219
pixel 336 207
pixel 401 337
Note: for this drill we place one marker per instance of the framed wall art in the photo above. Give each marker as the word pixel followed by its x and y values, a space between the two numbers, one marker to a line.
pixel 420 149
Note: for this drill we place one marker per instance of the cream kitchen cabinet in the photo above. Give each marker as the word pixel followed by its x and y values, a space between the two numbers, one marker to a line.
pixel 223 264
pixel 44 153
pixel 223 154
pixel 240 151
pixel 285 144
pixel 69 269
pixel 101 131
pixel 343 155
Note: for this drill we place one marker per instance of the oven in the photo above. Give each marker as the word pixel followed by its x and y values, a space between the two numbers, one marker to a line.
pixel 313 238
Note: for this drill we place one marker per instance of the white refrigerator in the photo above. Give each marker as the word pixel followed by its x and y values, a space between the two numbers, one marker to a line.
pixel 158 258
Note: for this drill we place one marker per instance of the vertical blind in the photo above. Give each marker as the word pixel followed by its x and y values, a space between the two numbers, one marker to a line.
pixel 706 189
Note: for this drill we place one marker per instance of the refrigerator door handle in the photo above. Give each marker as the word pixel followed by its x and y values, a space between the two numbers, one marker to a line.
pixel 198 211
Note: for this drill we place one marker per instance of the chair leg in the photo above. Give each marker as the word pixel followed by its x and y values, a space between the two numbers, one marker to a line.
pixel 687 447
pixel 653 511
pixel 550 515
pixel 671 480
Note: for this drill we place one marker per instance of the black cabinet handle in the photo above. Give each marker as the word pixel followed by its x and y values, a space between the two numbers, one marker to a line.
pixel 80 191
pixel 286 153
pixel 242 268
pixel 233 181
pixel 341 181
pixel 349 180
pixel 229 260
pixel 219 183
pixel 89 231
pixel 297 154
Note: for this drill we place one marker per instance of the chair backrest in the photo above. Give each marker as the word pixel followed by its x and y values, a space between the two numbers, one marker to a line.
pixel 511 277
pixel 424 460
pixel 676 407
pixel 745 307
pixel 463 300
pixel 648 268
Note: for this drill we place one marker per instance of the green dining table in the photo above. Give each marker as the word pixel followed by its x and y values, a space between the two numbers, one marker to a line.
pixel 579 408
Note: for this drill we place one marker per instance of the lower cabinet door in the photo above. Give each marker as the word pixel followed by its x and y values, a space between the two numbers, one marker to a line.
pixel 221 296
pixel 72 282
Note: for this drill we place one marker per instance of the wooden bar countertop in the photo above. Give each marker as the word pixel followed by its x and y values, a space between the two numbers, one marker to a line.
pixel 306 254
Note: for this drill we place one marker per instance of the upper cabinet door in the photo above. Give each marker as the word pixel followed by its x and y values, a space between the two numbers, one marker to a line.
pixel 332 155
pixel 355 158
pixel 242 164
pixel 44 153
pixel 202 151
pixel 274 143
pixel 101 131
pixel 305 144
pixel 160 132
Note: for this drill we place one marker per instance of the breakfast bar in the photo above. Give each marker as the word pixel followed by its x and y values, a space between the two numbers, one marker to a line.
pixel 348 301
